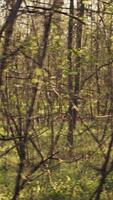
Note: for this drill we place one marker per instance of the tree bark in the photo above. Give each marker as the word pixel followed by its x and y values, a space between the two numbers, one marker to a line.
pixel 74 80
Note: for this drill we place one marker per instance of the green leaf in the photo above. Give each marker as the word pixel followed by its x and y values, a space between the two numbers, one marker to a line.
pixel 34 81
pixel 39 71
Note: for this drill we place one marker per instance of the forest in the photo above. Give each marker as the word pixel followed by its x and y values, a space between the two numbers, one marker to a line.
pixel 56 100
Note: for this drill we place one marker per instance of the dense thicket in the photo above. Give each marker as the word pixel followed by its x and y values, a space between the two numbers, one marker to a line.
pixel 56 100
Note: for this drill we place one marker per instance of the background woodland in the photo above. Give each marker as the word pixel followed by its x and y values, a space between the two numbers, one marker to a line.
pixel 56 100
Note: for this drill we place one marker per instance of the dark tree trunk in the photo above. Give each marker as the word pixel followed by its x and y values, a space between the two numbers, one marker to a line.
pixel 74 80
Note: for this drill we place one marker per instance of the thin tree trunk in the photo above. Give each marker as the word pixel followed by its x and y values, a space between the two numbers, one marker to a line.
pixel 74 80
pixel 20 171
pixel 8 28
